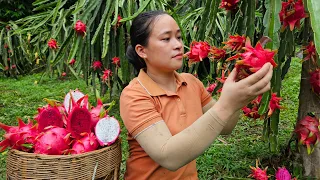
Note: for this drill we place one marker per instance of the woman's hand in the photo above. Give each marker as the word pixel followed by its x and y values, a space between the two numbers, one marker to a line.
pixel 236 95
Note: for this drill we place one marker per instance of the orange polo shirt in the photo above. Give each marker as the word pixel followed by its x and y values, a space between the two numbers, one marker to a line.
pixel 143 103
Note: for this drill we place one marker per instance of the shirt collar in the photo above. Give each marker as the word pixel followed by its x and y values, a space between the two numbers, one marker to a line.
pixel 152 87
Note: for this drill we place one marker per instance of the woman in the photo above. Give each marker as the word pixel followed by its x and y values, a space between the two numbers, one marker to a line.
pixel 170 117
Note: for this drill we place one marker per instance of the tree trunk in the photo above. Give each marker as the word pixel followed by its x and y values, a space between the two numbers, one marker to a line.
pixel 309 102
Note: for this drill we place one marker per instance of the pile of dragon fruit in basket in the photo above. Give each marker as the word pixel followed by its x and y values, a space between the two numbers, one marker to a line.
pixel 71 127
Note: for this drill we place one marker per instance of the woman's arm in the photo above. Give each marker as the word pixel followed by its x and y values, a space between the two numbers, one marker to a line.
pixel 173 152
pixel 231 123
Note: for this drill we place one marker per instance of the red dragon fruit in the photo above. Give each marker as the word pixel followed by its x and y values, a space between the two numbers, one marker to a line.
pixel 76 94
pixel 291 13
pixel 235 43
pixel 86 144
pixel 256 57
pixel 217 53
pixel 251 112
pixel 282 174
pixel 54 141
pixel 315 81
pixel 310 52
pixel 229 4
pixel 11 136
pixel 259 174
pixel 28 133
pixel 274 104
pixel 97 113
pixel 308 132
pixel 79 118
pixel 107 130
pixel 18 136
pixel 198 51
pixel 211 87
pixel 80 28
pixel 49 116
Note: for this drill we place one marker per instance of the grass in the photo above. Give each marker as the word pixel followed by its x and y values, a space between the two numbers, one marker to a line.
pixel 229 157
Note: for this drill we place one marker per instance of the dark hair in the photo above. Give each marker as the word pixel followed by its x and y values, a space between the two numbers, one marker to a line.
pixel 139 34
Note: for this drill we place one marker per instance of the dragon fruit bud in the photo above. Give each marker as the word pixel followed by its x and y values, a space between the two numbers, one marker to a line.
pixel 76 94
pixel 80 28
pixel 49 116
pixel 283 174
pixel 107 130
pixel 52 44
pixel 86 144
pixel 54 141
pixel 79 119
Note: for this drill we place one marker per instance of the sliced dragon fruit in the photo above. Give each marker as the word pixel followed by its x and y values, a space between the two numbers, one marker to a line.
pixel 49 116
pixel 79 119
pixel 107 130
pixel 76 94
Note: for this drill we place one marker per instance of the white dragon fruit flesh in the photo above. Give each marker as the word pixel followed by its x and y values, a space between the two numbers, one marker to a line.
pixel 67 103
pixel 107 130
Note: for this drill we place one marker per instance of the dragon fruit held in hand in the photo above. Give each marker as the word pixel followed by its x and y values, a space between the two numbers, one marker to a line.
pixel 107 130
pixel 86 144
pixel 79 118
pixel 54 141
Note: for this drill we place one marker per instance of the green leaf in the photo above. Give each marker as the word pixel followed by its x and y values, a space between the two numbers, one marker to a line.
pixel 142 8
pixel 73 72
pixel 75 46
pixel 62 49
pixel 39 2
pixel 45 6
pixel 102 21
pixel 106 38
pixel 115 18
pixel 55 11
pixel 204 20
pixel 272 23
pixel 1 39
pixel 264 104
pixel 314 11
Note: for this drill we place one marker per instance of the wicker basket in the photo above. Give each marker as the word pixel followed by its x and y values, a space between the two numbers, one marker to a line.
pixel 100 164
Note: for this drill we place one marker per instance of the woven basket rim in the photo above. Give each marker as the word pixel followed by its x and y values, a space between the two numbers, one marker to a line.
pixel 45 156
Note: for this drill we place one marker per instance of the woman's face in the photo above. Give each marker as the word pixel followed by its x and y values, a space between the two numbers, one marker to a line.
pixel 164 51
